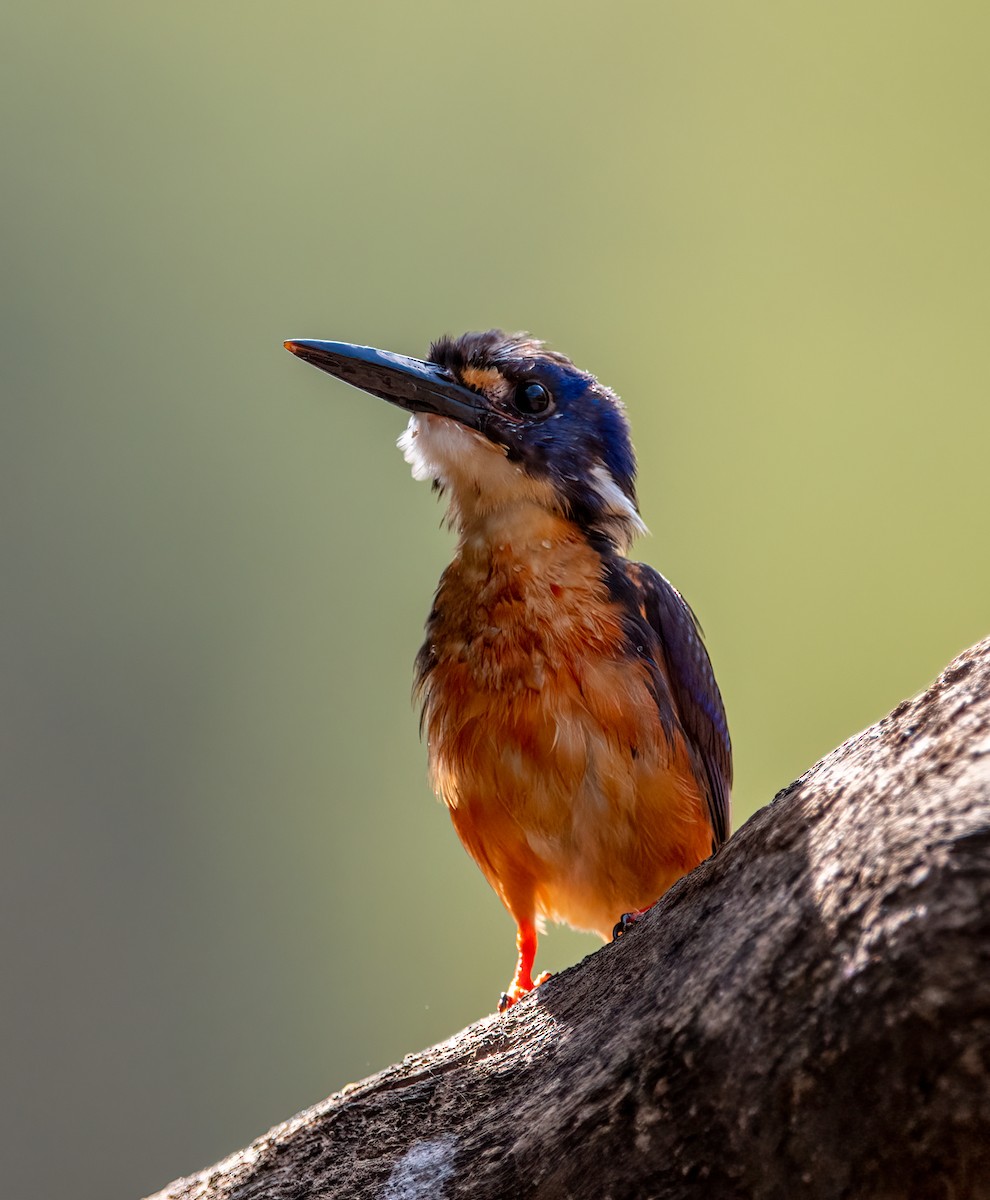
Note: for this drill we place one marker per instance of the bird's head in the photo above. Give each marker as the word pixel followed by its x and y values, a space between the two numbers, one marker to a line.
pixel 500 421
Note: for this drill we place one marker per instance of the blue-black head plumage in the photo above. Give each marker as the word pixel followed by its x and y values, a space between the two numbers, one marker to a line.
pixel 556 421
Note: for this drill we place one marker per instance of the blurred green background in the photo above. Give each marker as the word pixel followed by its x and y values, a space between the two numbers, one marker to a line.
pixel 227 890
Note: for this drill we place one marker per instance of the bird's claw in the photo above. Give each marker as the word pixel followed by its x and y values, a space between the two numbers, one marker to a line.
pixel 517 991
pixel 624 924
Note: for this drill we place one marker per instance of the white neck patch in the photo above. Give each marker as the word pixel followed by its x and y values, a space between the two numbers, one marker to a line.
pixel 617 504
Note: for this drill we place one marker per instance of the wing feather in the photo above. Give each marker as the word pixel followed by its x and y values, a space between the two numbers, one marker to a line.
pixel 693 687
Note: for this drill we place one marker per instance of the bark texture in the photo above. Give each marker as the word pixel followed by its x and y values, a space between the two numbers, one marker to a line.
pixel 806 1015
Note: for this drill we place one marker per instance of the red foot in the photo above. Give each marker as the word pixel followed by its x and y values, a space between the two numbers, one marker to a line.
pixel 522 982
pixel 626 922
pixel 516 992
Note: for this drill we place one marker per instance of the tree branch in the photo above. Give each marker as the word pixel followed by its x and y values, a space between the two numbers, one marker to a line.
pixel 807 1014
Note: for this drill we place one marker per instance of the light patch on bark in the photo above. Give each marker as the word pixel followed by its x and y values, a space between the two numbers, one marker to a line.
pixel 423 1171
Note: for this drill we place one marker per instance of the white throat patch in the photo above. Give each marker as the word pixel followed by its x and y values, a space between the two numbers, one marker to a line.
pixel 475 471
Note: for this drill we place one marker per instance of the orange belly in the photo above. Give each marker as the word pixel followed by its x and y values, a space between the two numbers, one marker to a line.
pixel 545 740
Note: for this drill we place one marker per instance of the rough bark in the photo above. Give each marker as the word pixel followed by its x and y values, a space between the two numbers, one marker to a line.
pixel 805 1015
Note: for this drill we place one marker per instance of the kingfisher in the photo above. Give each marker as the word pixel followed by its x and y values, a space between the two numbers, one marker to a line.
pixel 574 727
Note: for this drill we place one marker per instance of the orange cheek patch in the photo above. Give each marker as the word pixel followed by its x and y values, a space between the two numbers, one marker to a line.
pixel 482 379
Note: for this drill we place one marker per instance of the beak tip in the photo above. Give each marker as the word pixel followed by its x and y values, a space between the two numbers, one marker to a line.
pixel 409 383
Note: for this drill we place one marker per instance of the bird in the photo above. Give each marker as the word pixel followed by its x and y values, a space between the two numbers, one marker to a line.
pixel 574 727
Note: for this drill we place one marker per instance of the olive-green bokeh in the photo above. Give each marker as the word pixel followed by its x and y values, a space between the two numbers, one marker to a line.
pixel 227 890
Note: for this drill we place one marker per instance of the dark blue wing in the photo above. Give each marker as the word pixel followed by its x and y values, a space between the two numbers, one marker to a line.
pixel 693 686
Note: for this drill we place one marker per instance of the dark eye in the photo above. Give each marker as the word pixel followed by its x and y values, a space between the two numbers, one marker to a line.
pixel 532 399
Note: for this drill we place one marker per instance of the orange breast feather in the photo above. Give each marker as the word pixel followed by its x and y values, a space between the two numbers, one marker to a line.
pixel 545 741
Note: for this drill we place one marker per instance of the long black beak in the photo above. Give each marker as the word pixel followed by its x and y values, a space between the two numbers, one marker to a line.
pixel 417 386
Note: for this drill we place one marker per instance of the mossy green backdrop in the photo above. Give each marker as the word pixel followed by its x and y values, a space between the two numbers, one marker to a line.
pixel 227 890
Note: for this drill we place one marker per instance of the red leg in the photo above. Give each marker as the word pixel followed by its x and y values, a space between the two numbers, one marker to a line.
pixel 522 981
